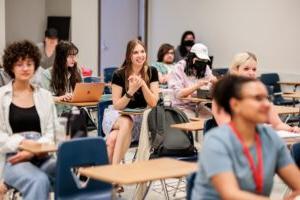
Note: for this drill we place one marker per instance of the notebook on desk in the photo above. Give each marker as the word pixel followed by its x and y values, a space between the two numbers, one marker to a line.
pixel 87 92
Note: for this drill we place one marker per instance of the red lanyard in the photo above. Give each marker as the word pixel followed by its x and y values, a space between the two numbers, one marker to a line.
pixel 257 172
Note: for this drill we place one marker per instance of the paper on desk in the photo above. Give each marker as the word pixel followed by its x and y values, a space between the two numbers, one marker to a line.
pixel 287 134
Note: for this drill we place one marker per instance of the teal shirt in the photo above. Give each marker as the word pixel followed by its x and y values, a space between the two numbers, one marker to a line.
pixel 163 69
pixel 223 152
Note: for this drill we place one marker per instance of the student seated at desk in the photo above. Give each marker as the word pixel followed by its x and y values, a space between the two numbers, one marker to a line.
pixel 189 75
pixel 243 154
pixel 25 108
pixel 134 85
pixel 165 64
pixel 63 76
pixel 245 64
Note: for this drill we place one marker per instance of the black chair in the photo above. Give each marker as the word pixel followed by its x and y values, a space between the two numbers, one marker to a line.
pixel 271 81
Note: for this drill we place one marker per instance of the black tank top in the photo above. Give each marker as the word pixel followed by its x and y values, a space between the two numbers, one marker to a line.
pixel 24 119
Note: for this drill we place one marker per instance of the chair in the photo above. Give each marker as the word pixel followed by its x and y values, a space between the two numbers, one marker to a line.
pixel 271 81
pixel 190 185
pixel 295 152
pixel 75 153
pixel 219 72
pixel 108 73
pixel 91 79
pixel 209 124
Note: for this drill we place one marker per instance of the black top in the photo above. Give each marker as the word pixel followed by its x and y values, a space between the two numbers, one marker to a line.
pixel 138 100
pixel 24 119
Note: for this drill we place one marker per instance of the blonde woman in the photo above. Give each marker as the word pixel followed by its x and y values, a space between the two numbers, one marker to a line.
pixel 245 64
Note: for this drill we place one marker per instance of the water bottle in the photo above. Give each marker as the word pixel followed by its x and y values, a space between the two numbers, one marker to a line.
pixel 61 130
pixel 73 115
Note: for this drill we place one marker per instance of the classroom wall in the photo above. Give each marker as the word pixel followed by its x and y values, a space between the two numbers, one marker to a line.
pixel 269 28
pixel 58 7
pixel 2 27
pixel 84 31
pixel 119 24
pixel 24 20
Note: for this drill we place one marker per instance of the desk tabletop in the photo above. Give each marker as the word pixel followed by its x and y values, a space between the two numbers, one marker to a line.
pixel 196 100
pixel 294 83
pixel 282 110
pixel 141 171
pixel 293 95
pixel 39 148
pixel 190 126
pixel 80 104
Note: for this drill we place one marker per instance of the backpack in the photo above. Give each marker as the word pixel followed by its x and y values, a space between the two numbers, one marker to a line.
pixel 167 141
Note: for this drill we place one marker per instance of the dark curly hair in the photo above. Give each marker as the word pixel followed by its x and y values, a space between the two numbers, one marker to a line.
pixel 20 50
pixel 60 71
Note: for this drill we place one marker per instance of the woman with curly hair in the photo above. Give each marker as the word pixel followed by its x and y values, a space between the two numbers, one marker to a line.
pixel 27 116
pixel 63 76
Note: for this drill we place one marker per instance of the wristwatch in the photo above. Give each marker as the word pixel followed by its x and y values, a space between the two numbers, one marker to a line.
pixel 128 95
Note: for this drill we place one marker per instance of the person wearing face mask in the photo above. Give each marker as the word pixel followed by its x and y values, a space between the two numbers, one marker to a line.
pixel 189 75
pixel 187 41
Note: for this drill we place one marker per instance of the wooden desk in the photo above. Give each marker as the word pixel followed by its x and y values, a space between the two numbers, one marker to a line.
pixel 139 172
pixel 80 104
pixel 292 95
pixel 196 100
pixel 190 126
pixel 290 83
pixel 283 110
pixel 39 148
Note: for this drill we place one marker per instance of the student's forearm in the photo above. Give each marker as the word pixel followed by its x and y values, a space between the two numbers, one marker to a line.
pixel 290 174
pixel 121 103
pixel 187 91
pixel 149 96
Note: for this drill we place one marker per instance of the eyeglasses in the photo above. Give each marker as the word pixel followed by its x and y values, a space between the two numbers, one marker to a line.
pixel 258 98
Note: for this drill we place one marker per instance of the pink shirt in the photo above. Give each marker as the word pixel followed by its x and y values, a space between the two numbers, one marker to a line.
pixel 179 80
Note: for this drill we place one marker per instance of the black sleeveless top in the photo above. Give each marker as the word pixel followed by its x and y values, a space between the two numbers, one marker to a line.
pixel 24 119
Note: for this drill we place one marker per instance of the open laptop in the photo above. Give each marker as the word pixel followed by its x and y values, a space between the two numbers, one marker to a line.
pixel 87 92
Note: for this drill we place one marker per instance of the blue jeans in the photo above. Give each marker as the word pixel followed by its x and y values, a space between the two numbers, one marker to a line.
pixel 30 178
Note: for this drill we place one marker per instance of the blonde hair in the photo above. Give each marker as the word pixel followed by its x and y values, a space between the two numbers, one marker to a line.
pixel 239 59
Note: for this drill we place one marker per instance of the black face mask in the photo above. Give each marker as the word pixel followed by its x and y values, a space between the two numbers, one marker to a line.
pixel 188 43
pixel 200 67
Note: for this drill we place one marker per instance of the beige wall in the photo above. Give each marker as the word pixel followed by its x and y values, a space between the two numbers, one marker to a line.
pixel 58 7
pixel 269 28
pixel 2 28
pixel 25 20
pixel 84 29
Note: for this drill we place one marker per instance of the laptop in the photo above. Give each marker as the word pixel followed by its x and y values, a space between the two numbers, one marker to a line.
pixel 87 92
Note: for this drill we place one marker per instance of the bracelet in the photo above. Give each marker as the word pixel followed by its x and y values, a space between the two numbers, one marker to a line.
pixel 128 95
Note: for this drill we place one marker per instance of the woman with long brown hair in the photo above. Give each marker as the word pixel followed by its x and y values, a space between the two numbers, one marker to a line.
pixel 63 76
pixel 134 85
